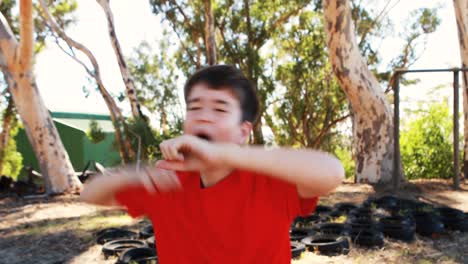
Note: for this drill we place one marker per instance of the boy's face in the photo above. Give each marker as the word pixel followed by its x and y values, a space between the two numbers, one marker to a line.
pixel 215 115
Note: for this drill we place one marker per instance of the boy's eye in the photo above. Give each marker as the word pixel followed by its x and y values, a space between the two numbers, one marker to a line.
pixel 194 108
pixel 220 110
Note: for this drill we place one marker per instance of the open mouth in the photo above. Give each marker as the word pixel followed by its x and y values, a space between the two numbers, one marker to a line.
pixel 204 136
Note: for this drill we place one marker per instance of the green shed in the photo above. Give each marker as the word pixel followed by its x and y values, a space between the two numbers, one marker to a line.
pixel 72 129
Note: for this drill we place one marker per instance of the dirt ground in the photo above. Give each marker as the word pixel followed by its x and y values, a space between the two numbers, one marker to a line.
pixel 60 229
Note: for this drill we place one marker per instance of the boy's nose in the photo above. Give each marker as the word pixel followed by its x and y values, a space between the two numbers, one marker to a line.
pixel 205 116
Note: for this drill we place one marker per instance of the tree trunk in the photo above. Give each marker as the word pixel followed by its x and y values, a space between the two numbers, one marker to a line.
pixel 461 15
pixel 53 160
pixel 210 34
pixel 125 72
pixel 373 125
pixel 5 133
pixel 125 149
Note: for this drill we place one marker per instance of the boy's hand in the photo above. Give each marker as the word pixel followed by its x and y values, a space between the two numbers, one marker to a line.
pixel 189 153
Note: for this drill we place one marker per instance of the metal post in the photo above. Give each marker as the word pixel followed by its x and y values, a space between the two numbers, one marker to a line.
pixel 396 131
pixel 456 156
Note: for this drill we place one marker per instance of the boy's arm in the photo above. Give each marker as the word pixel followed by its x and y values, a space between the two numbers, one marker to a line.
pixel 315 173
pixel 101 190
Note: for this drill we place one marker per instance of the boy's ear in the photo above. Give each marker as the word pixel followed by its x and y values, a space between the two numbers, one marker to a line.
pixel 246 129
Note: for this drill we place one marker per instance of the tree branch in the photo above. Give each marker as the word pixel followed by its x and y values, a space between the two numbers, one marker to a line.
pixel 26 35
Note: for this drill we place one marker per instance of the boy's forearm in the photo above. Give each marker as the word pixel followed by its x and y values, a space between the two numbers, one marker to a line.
pixel 101 190
pixel 315 172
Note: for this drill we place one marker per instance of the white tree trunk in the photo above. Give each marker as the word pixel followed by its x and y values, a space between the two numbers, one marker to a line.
pixel 125 72
pixel 54 163
pixel 461 15
pixel 372 123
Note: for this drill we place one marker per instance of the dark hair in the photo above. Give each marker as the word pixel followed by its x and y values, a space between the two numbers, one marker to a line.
pixel 231 78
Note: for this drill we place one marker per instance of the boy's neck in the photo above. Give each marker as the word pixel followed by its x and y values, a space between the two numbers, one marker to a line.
pixel 213 176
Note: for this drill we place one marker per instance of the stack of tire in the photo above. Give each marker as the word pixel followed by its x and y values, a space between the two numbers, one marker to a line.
pixel 128 246
pixel 367 224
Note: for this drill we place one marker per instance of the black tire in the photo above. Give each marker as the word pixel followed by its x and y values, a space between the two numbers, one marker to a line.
pixel 323 209
pixel 423 207
pixel 396 220
pixel 146 231
pixel 428 224
pixel 369 202
pixel 312 219
pixel 328 245
pixel 448 212
pixel 345 207
pixel 151 242
pixel 363 212
pixel 112 233
pixel 334 229
pixel 296 249
pixel 452 218
pixel 460 225
pixel 306 222
pixel 387 201
pixel 141 255
pixel 367 238
pixel 337 213
pixel 116 247
pixel 297 234
pixel 362 223
pixel 398 227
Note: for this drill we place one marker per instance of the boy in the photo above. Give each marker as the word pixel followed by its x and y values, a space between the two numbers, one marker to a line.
pixel 213 199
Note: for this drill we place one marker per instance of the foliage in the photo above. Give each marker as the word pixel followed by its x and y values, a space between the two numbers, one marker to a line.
pixel 156 78
pixel 95 133
pixel 344 154
pixel 313 101
pixel 426 144
pixel 11 159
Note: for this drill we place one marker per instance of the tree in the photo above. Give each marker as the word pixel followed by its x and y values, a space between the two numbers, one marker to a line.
pixel 461 15
pixel 210 40
pixel 242 30
pixel 118 121
pixel 53 160
pixel 312 102
pixel 373 124
pixel 156 78
pixel 124 71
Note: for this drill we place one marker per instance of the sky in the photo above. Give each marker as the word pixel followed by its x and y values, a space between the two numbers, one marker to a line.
pixel 61 80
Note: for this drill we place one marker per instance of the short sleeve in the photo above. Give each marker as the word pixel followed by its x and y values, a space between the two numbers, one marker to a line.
pixel 295 205
pixel 134 198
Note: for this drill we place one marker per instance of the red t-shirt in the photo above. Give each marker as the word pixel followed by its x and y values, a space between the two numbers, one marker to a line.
pixel 244 218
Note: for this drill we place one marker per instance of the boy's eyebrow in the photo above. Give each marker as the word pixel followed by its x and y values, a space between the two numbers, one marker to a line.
pixel 197 99
pixel 193 100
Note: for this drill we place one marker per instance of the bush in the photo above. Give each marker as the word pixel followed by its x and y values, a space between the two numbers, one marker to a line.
pixel 345 156
pixel 95 133
pixel 427 144
pixel 12 159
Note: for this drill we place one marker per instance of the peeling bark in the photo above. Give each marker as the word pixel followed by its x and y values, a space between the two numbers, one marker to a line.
pixel 54 162
pixel 461 15
pixel 372 122
pixel 210 34
pixel 125 72
pixel 123 142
